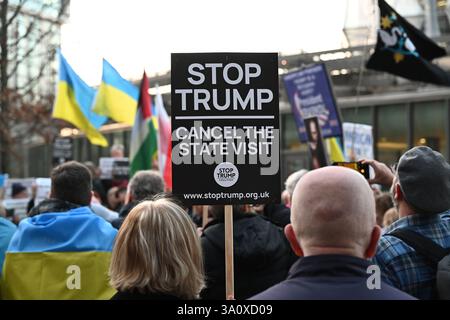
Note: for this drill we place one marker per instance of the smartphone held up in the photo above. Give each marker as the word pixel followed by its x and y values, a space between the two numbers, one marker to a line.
pixel 362 168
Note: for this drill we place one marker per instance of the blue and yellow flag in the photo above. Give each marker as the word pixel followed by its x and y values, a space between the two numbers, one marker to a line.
pixel 63 255
pixel 74 101
pixel 116 97
pixel 335 153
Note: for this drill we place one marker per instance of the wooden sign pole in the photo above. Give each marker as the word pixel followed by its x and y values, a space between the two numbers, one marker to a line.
pixel 205 216
pixel 229 263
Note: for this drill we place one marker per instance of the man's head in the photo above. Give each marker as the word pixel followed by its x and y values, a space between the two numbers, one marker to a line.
pixel 333 212
pixel 72 182
pixel 292 181
pixel 19 191
pixel 422 182
pixel 144 185
pixel 117 151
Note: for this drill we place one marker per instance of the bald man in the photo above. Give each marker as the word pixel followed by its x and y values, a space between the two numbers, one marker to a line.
pixel 334 229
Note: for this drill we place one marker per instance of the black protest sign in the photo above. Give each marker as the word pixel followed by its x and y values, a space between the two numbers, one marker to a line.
pixel 62 150
pixel 121 169
pixel 225 128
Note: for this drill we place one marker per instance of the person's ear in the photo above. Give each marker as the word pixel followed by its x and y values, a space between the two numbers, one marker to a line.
pixel 128 197
pixel 398 193
pixel 372 248
pixel 295 245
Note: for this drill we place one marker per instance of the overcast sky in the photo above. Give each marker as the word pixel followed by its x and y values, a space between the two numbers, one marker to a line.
pixel 138 34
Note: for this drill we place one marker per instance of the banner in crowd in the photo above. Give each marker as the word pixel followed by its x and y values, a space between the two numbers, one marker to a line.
pixel 358 141
pixel 310 95
pixel 62 150
pixel 225 128
pixel 114 168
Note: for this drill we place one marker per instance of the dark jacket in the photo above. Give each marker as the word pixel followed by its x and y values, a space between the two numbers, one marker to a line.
pixel 262 256
pixel 136 295
pixel 330 277
pixel 124 211
pixel 278 214
pixel 52 205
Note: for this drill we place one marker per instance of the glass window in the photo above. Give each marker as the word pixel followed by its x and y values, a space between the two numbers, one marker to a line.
pixel 430 121
pixel 357 115
pixel 392 132
pixel 290 137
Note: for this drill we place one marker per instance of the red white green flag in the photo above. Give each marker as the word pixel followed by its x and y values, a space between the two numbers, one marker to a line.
pixel 144 145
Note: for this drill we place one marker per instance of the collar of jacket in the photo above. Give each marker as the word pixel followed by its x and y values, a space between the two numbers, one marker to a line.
pixel 329 266
pixel 52 205
pixel 414 220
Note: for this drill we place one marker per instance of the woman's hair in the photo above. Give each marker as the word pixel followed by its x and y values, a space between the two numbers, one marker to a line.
pixel 158 250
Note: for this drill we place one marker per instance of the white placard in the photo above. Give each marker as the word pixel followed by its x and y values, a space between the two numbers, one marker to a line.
pixel 358 141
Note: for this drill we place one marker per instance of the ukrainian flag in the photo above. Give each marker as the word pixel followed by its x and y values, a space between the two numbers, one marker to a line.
pixel 116 97
pixel 335 153
pixel 63 255
pixel 73 103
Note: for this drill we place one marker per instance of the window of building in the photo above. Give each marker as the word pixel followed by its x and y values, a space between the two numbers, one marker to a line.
pixel 361 115
pixel 291 140
pixel 392 132
pixel 430 121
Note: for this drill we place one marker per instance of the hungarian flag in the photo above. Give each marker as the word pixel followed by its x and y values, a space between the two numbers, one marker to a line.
pixel 164 142
pixel 143 145
pixel 405 51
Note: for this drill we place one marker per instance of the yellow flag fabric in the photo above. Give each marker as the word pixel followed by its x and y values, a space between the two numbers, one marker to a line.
pixel 335 153
pixel 59 255
pixel 56 276
pixel 66 109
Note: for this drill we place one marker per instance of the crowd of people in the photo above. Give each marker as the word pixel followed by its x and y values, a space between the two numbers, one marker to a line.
pixel 331 237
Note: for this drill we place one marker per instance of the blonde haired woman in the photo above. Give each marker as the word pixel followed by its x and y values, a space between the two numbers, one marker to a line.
pixel 157 254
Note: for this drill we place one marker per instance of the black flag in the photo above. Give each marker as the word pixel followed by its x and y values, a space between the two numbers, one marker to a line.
pixel 405 51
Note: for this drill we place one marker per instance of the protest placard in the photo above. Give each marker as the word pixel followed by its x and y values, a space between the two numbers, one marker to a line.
pixel 114 168
pixel 311 95
pixel 62 150
pixel 358 141
pixel 225 128
pixel 225 133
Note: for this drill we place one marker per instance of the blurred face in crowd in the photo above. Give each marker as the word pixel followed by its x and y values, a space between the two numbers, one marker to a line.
pixel 21 195
pixel 113 201
pixel 313 129
pixel 333 212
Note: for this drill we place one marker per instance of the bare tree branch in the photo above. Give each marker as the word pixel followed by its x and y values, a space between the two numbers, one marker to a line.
pixel 28 53
pixel 17 10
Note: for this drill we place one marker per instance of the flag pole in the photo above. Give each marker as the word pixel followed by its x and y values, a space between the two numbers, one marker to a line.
pixel 229 264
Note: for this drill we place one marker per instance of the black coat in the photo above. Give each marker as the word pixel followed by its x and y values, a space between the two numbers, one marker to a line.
pixel 262 256
pixel 330 277
pixel 124 211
